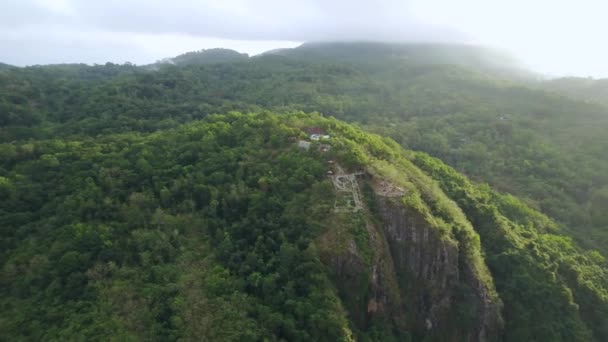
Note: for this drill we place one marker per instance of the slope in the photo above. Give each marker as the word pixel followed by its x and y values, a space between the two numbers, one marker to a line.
pixel 543 147
pixel 225 229
pixel 209 56
pixel 587 89
pixel 374 54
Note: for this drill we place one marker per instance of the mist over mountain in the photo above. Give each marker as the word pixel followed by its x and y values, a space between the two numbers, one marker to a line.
pixel 588 89
pixel 496 62
pixel 75 31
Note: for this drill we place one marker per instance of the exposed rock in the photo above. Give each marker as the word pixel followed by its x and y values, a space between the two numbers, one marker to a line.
pixel 386 189
pixel 416 279
pixel 431 272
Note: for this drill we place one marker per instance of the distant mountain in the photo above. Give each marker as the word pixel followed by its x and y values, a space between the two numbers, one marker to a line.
pixel 471 56
pixel 375 56
pixel 209 56
pixel 4 66
pixel 587 89
pixel 279 51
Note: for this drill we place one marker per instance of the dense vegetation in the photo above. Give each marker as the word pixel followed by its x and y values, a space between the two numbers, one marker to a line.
pixel 207 231
pixel 119 231
pixel 210 56
pixel 588 89
pixel 543 147
pixel 122 218
pixel 530 263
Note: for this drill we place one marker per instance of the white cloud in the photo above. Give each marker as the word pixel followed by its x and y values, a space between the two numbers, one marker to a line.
pixel 60 45
pixel 552 36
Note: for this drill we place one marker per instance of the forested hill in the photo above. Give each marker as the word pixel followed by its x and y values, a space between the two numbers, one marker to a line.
pixel 374 54
pixel 128 209
pixel 546 148
pixel 209 56
pixel 230 229
pixel 5 66
pixel 588 89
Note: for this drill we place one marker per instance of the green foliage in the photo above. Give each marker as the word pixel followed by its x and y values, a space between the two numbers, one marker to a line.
pixel 117 221
pixel 544 279
pixel 120 218
pixel 449 101
pixel 209 56
pixel 587 89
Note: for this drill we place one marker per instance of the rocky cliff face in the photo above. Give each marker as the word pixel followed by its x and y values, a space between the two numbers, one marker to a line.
pixel 415 280
pixel 439 286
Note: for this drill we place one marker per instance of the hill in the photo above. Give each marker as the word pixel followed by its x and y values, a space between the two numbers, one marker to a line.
pixel 588 89
pixel 377 53
pixel 546 148
pixel 230 229
pixel 124 216
pixel 4 66
pixel 209 56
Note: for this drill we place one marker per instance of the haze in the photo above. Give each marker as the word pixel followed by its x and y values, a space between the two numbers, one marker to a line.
pixel 552 37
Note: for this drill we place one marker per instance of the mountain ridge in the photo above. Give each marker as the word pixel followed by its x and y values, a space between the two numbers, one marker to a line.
pixel 151 208
pixel 274 254
pixel 449 111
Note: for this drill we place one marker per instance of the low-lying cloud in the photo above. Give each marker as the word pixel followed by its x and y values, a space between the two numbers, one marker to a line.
pixel 551 36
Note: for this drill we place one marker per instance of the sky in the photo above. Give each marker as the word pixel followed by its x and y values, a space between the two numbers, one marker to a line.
pixel 554 37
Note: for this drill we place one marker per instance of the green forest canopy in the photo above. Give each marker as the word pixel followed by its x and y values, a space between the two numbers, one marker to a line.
pixel 116 201
pixel 199 231
pixel 540 146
